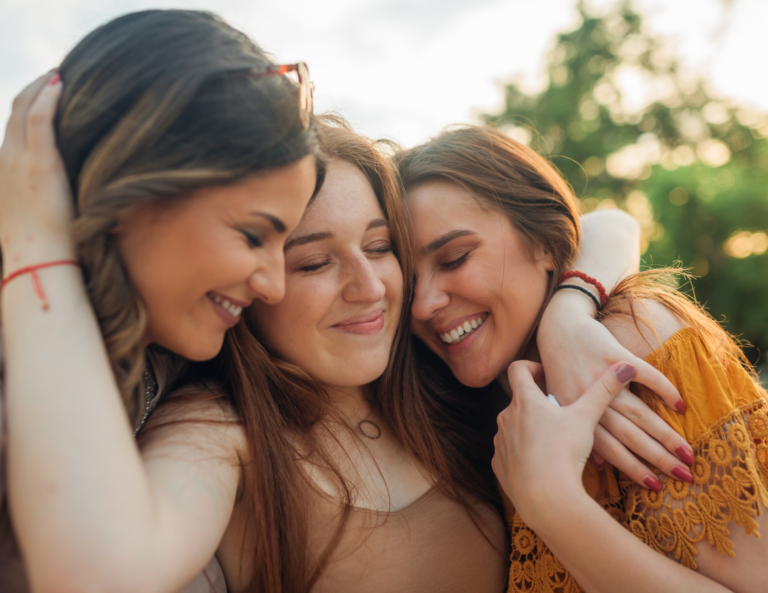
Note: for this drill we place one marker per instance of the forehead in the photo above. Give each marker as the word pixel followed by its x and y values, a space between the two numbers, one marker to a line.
pixel 345 198
pixel 440 206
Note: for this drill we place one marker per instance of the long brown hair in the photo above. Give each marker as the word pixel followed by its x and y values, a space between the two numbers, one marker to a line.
pixel 157 104
pixel 540 204
pixel 274 398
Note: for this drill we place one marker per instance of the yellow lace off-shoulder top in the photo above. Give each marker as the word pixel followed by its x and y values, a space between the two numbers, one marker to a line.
pixel 726 423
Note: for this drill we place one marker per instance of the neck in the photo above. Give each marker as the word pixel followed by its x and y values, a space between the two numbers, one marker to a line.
pixel 351 403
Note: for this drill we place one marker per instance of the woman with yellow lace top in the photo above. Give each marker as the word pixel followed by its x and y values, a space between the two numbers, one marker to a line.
pixel 495 228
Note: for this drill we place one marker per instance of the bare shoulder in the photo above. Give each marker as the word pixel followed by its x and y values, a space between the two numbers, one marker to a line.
pixel 194 418
pixel 655 325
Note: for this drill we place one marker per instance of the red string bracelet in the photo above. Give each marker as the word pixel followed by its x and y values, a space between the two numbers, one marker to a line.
pixel 589 280
pixel 36 280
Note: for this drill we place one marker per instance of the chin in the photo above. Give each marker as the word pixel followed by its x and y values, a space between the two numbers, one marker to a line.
pixel 199 350
pixel 475 377
pixel 357 375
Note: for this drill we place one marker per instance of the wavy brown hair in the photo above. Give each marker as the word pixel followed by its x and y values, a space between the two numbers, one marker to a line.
pixel 274 398
pixel 512 178
pixel 156 105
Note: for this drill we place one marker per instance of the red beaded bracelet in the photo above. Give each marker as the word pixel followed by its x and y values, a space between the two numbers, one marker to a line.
pixel 36 280
pixel 589 280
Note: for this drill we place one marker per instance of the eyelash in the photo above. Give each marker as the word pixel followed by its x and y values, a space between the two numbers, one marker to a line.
pixel 452 265
pixel 319 265
pixel 382 250
pixel 253 240
pixel 314 267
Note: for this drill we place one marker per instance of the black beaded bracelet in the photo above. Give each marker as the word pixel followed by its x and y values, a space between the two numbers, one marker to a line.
pixel 585 291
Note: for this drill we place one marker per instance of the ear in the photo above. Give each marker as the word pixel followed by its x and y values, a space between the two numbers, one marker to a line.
pixel 543 257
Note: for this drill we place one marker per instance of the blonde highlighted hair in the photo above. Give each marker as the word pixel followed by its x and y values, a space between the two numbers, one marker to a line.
pixel 155 105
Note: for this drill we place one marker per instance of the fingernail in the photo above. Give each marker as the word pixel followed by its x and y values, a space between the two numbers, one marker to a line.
pixel 680 405
pixel 682 473
pixel 686 454
pixel 599 466
pixel 54 79
pixel 652 483
pixel 625 372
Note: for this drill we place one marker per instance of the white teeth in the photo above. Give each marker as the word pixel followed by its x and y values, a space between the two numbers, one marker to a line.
pixel 459 333
pixel 235 310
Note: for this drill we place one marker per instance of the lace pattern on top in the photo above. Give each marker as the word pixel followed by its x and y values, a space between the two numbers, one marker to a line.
pixel 730 484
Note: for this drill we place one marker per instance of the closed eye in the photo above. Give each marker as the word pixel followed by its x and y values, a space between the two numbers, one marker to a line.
pixel 253 239
pixel 314 267
pixel 452 265
pixel 380 248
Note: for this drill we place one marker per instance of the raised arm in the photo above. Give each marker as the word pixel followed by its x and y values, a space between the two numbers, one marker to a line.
pixel 610 246
pixel 575 349
pixel 90 513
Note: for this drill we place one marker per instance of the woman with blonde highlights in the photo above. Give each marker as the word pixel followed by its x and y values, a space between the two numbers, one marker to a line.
pixel 495 227
pixel 184 160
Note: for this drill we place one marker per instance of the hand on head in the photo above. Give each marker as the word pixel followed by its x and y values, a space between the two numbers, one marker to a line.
pixel 36 207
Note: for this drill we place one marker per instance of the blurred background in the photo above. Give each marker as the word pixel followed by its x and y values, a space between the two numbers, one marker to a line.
pixel 659 108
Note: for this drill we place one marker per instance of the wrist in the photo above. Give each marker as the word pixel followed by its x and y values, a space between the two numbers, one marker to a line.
pixel 30 251
pixel 559 507
pixel 566 308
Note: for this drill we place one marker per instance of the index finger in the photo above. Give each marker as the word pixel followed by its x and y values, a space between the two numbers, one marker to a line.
pixel 655 380
pixel 15 128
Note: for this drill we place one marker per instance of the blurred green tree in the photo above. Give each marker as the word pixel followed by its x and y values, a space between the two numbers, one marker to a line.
pixel 629 128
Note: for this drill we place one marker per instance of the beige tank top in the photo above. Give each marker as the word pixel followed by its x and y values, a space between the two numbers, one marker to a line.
pixel 430 545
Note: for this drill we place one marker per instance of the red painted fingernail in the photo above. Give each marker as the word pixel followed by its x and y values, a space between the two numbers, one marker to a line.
pixel 54 79
pixel 686 454
pixel 625 372
pixel 682 473
pixel 652 483
pixel 680 405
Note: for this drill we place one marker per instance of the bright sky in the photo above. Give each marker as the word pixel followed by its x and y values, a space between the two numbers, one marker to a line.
pixel 405 69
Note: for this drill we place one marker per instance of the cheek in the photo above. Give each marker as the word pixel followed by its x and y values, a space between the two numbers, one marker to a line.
pixel 290 326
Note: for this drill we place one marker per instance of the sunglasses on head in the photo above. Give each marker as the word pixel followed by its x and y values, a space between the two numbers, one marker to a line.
pixel 299 73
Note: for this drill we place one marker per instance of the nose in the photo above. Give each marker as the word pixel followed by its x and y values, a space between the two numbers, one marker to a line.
pixel 268 280
pixel 363 283
pixel 428 299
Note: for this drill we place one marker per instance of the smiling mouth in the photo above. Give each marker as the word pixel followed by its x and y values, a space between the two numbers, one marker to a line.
pixel 458 333
pixel 231 308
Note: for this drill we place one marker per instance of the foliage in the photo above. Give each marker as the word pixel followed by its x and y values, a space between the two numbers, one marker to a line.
pixel 691 167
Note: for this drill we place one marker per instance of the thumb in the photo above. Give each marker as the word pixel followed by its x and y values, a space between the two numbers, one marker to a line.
pixel 523 375
pixel 600 394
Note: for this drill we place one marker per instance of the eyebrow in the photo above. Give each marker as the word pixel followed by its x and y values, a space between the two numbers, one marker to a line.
pixel 303 240
pixel 276 222
pixel 443 239
pixel 376 223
